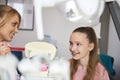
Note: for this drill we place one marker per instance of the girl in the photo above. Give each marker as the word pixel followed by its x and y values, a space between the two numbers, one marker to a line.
pixel 85 64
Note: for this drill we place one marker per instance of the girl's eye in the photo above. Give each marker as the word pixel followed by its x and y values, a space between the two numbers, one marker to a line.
pixel 70 43
pixel 78 44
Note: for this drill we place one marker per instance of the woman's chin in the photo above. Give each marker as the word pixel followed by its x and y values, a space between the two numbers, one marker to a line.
pixel 9 40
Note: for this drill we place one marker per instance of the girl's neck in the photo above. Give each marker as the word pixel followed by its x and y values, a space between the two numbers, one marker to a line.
pixel 84 61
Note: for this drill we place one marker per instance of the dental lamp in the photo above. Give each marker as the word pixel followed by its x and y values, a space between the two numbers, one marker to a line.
pixel 85 12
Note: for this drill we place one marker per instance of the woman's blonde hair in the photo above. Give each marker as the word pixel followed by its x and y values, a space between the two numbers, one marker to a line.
pixel 6 13
pixel 93 60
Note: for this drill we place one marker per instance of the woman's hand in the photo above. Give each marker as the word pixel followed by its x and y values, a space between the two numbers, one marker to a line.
pixel 4 48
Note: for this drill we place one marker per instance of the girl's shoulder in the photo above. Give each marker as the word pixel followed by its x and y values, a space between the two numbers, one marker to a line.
pixel 100 68
pixel 101 73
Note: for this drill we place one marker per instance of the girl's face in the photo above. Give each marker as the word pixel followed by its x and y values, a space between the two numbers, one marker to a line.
pixel 9 29
pixel 79 45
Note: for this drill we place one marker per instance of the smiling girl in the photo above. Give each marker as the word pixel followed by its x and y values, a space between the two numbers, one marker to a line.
pixel 85 63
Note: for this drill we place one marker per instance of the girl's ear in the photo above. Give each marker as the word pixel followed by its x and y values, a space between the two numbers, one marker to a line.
pixel 91 46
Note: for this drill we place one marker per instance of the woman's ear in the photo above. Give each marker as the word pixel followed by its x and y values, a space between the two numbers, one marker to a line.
pixel 91 46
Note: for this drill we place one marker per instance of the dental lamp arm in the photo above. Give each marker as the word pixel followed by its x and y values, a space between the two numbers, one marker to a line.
pixel 38 4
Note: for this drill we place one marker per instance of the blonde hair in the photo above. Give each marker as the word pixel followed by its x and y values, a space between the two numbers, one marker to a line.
pixel 93 60
pixel 6 13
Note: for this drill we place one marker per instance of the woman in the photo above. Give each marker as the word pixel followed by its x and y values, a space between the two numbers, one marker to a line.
pixel 9 24
pixel 85 64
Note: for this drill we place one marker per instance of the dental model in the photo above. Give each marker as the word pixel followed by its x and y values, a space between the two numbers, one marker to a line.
pixel 41 63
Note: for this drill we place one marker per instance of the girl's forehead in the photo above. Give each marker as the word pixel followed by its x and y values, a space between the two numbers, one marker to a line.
pixel 77 36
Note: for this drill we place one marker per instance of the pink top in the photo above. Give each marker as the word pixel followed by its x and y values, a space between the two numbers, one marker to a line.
pixel 101 73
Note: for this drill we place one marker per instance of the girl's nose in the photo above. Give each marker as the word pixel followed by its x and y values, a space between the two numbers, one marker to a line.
pixel 73 48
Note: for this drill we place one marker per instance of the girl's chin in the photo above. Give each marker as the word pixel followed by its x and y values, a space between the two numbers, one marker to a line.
pixel 76 58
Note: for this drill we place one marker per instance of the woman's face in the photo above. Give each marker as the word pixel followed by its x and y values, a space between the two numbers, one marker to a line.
pixel 9 29
pixel 79 45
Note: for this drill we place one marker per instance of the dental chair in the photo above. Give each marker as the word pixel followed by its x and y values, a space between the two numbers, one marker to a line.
pixel 108 62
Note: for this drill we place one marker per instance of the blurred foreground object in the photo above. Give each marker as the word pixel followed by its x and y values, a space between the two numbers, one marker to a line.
pixel 41 62
pixel 8 65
